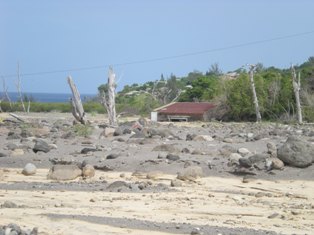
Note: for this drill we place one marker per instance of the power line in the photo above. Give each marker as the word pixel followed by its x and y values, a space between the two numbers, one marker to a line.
pixel 165 57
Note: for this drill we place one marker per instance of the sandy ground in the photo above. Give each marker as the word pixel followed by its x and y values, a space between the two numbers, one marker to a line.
pixel 211 201
pixel 219 203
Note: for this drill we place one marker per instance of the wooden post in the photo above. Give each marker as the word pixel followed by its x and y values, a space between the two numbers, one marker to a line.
pixel 76 103
pixel 255 100
pixel 108 99
pixel 296 88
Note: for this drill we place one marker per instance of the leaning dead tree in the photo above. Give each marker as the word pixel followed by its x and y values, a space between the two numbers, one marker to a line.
pixel 296 89
pixel 108 98
pixel 255 100
pixel 76 103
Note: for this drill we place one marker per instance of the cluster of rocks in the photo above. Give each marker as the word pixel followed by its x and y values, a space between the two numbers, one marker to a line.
pixel 13 229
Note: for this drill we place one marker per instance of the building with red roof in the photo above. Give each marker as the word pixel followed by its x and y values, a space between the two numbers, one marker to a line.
pixel 182 111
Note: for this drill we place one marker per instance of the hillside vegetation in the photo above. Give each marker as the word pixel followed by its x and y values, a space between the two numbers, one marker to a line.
pixel 231 92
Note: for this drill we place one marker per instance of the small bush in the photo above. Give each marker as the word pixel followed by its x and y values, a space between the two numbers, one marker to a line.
pixel 82 130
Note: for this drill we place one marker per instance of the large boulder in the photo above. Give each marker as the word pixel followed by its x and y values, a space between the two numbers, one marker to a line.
pixel 64 172
pixel 296 152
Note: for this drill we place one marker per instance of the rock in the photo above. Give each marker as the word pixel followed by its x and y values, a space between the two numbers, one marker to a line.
pixel 274 163
pixel 175 183
pixel 203 138
pixel 41 145
pixel 112 156
pixel 259 157
pixel 277 164
pixel 53 146
pixel 127 131
pixel 245 162
pixel 197 152
pixel 166 148
pixel 26 133
pixel 234 159
pixel 172 157
pixel 9 204
pixel 29 169
pixel 226 150
pixel 108 132
pixel 190 173
pixel 274 215
pixel 17 152
pixel 87 150
pixel 117 132
pixel 243 151
pixel 88 171
pixel 196 231
pixel 118 186
pixel 190 137
pixel 185 150
pixel 3 154
pixel 296 152
pixel 142 185
pixel 64 172
pixel 272 149
pixel 228 140
pixel 12 146
pixel 152 132
pixel 154 175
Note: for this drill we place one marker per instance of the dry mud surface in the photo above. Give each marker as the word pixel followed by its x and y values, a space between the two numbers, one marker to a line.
pixel 141 199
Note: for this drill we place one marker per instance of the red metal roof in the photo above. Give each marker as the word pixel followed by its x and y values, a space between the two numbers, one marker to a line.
pixel 185 108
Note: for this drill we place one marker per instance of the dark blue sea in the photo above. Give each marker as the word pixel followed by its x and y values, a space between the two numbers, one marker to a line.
pixel 47 97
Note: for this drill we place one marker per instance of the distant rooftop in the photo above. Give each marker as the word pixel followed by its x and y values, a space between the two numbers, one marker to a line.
pixel 185 108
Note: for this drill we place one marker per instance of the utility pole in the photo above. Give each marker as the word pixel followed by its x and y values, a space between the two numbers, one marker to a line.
pixel 255 100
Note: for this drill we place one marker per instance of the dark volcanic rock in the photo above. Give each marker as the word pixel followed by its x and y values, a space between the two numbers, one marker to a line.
pixel 87 150
pixel 296 152
pixel 245 162
pixel 172 157
pixel 112 156
pixel 3 154
pixel 41 145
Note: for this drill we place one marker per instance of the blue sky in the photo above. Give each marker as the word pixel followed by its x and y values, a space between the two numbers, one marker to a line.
pixel 46 36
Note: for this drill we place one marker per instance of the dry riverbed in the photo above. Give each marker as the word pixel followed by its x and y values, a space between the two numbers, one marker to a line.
pixel 169 178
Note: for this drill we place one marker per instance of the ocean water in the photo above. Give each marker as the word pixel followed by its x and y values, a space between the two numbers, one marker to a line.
pixel 48 97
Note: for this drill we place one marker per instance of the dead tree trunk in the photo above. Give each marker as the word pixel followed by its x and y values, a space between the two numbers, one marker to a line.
pixel 76 103
pixel 18 87
pixel 296 88
pixel 5 93
pixel 108 99
pixel 255 100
